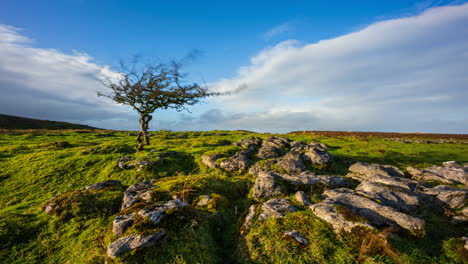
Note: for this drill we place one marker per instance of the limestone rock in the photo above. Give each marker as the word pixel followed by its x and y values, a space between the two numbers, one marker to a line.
pixel 310 178
pixel 450 172
pixel 273 147
pixel 266 186
pixel 137 192
pixel 210 160
pixel 239 162
pixel 452 197
pixel 466 242
pixel 297 237
pixel 156 212
pixel 133 242
pixel 392 197
pixel 102 185
pixel 248 219
pixel 376 214
pixel 327 212
pixel 249 143
pixel 262 166
pixel 319 157
pixel 363 171
pixel 301 197
pixel 292 162
pixel 122 223
pixel 276 208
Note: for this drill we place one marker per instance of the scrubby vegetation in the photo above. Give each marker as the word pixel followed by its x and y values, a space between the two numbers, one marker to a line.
pixel 38 166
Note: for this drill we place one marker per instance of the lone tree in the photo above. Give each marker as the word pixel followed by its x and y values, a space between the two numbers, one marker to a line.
pixel 151 87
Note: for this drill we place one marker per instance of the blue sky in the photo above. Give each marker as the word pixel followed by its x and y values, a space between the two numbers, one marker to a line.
pixel 241 42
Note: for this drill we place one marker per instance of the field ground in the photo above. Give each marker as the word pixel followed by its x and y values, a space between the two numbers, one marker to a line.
pixel 36 165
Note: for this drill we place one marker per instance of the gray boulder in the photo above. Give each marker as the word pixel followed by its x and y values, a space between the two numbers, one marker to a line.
pixel 155 212
pixel 377 214
pixel 363 171
pixel 138 192
pixel 210 160
pixel 239 162
pixel 292 162
pixel 122 223
pixel 273 147
pixel 310 178
pixel 276 208
pixel 297 237
pixel 449 196
pixel 393 197
pixel 249 143
pixel 301 197
pixel 266 186
pixel 328 212
pixel 129 243
pixel 450 172
pixel 319 157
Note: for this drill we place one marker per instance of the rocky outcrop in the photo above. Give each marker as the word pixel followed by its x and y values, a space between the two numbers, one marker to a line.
pixel 210 160
pixel 294 235
pixel 122 223
pixel 451 172
pixel 129 243
pixel 273 147
pixel 137 192
pixel 249 143
pixel 449 196
pixel 301 197
pixel 328 212
pixel 276 208
pixel 375 213
pixel 155 212
pixel 292 162
pixel 393 197
pixel 364 171
pixel 239 162
pixel 266 185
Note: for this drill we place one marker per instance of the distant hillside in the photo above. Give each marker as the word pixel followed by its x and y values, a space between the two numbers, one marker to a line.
pixel 16 122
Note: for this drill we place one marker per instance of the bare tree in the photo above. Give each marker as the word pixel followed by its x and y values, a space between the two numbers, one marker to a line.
pixel 151 87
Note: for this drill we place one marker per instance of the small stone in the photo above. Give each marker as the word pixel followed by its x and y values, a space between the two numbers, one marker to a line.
pixel 276 208
pixel 129 243
pixel 210 160
pixel 136 193
pixel 122 223
pixel 301 197
pixel 297 237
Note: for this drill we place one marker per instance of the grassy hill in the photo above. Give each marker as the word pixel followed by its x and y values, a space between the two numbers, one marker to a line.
pixel 16 122
pixel 34 167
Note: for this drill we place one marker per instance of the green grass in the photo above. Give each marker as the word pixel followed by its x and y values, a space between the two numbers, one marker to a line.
pixel 36 166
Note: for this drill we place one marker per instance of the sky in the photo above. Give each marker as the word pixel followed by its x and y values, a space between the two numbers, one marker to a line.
pixel 392 66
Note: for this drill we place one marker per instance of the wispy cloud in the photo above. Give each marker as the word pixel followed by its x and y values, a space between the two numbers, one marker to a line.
pixel 284 28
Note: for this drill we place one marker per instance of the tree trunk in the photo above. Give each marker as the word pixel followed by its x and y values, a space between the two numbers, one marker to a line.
pixel 143 136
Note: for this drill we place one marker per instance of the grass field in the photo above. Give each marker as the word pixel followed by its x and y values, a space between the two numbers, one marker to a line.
pixel 36 165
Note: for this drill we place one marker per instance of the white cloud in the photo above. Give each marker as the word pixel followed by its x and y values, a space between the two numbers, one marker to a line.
pixel 279 30
pixel 405 74
pixel 49 84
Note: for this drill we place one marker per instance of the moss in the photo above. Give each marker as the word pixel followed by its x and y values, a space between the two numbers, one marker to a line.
pixel 110 148
pixel 348 215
